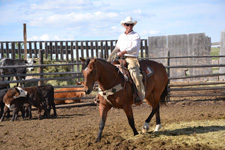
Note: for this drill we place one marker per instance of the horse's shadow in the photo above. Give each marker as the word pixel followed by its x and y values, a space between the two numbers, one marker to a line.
pixel 189 131
pixel 56 117
pixel 43 117
pixel 63 116
pixel 69 116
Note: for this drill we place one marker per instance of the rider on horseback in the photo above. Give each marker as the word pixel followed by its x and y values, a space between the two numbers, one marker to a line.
pixel 128 46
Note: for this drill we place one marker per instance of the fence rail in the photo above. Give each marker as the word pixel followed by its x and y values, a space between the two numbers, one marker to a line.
pixel 173 86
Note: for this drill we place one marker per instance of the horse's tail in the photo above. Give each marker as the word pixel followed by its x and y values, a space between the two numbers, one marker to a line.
pixel 164 95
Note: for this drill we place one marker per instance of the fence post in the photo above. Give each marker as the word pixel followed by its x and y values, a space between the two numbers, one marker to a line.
pixel 25 40
pixel 41 61
pixel 168 73
pixel 222 52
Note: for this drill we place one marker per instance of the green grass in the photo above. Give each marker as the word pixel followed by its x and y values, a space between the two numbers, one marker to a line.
pixel 215 68
pixel 215 51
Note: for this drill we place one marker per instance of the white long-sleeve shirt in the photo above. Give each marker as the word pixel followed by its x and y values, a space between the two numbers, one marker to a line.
pixel 130 42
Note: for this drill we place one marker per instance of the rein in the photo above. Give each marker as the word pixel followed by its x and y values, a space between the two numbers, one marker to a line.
pixel 114 79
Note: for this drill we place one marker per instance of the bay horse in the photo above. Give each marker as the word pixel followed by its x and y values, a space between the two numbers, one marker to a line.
pixel 117 92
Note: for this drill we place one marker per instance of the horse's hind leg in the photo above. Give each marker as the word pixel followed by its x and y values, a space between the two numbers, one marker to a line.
pixel 146 124
pixel 158 122
pixel 129 113
pixel 147 121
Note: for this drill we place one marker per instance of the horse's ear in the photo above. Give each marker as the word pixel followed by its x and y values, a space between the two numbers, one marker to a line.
pixel 82 59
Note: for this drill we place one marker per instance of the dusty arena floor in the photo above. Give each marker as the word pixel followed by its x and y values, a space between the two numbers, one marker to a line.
pixel 185 125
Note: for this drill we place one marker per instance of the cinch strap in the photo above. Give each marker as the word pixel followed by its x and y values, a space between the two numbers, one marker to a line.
pixel 109 92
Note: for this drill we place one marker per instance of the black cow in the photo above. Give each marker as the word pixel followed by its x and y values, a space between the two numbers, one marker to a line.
pixel 17 71
pixel 47 93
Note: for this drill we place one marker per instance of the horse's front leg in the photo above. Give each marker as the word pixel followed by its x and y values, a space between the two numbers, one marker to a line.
pixel 129 113
pixel 103 110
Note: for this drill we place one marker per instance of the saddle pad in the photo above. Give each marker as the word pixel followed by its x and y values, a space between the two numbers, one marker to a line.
pixel 148 71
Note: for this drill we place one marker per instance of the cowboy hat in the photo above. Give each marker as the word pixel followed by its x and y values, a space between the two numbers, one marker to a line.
pixel 128 20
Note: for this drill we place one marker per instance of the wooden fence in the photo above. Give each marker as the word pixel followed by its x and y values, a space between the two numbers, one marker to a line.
pixel 68 53
pixel 209 88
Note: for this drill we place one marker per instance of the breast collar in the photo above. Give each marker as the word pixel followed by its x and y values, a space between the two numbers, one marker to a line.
pixel 109 92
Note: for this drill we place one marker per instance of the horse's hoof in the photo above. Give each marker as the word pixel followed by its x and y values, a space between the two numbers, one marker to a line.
pixel 157 127
pixel 97 140
pixel 144 130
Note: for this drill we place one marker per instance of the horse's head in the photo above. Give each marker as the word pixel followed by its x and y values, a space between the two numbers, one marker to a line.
pixel 89 71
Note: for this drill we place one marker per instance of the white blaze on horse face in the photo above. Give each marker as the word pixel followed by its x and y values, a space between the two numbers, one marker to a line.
pixel 86 69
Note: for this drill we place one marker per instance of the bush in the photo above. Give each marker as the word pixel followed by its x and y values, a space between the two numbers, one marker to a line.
pixel 55 69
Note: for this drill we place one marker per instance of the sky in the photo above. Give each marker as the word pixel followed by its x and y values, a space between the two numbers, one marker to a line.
pixel 62 20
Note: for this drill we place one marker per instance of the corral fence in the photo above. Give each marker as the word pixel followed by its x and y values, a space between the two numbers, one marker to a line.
pixel 187 58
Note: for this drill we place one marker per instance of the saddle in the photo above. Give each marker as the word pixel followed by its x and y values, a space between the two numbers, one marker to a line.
pixel 123 67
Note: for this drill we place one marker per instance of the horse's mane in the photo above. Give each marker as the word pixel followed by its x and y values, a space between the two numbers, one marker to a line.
pixel 103 60
pixel 98 59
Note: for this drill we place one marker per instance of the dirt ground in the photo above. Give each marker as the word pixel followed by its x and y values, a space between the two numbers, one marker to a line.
pixel 185 125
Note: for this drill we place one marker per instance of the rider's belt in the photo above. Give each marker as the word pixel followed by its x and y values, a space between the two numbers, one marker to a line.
pixel 130 57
